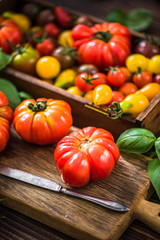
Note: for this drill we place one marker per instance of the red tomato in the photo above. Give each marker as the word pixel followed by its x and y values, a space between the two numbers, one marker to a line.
pixel 52 30
pixel 44 121
pixel 157 78
pixel 6 115
pixel 101 79
pixel 128 88
pixel 127 73
pixel 84 82
pixel 116 77
pixel 116 97
pixel 103 45
pixel 9 33
pixel 140 79
pixel 62 17
pixel 88 154
pixel 45 48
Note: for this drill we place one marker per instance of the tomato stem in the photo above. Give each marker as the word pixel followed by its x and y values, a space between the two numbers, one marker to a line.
pixel 104 36
pixel 38 107
pixel 89 80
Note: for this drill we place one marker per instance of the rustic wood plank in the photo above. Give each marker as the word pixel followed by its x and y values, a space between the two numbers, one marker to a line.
pixel 74 217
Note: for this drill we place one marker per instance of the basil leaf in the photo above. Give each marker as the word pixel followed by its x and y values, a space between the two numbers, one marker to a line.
pixel 139 19
pixel 154 174
pixel 11 92
pixel 117 15
pixel 136 140
pixel 5 59
pixel 24 95
pixel 157 147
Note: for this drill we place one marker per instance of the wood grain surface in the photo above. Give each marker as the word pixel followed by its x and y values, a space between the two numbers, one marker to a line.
pixel 75 217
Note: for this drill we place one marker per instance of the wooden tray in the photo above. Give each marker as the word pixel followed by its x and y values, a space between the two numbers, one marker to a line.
pixel 78 218
pixel 149 118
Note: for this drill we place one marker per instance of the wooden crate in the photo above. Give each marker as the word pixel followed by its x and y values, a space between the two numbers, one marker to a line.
pixel 149 118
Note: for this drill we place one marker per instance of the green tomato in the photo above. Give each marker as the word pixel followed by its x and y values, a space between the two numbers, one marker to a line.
pixel 24 59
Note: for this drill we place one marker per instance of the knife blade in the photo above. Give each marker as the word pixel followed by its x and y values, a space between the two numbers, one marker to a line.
pixel 56 187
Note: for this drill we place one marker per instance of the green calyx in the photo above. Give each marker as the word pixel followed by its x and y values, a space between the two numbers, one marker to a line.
pixel 89 80
pixel 104 36
pixel 38 107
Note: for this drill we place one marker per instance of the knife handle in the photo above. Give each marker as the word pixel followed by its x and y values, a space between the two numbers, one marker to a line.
pixel 117 206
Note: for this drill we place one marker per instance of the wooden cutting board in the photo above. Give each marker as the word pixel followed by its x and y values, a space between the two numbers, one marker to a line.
pixel 75 217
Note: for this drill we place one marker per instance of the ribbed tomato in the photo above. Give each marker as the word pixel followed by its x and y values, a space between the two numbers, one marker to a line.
pixel 87 154
pixel 42 121
pixel 103 45
pixel 6 115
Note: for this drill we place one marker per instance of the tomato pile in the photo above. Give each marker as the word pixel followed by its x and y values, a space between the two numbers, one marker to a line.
pixel 95 61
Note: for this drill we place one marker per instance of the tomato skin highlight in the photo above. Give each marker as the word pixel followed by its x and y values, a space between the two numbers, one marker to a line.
pixel 6 116
pixel 88 154
pixel 44 126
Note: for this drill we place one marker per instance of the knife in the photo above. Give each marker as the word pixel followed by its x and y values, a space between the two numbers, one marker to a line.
pixel 54 186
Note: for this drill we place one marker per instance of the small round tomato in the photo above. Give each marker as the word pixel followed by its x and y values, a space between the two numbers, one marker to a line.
pixel 84 82
pixel 157 78
pixel 116 77
pixel 65 38
pixel 128 88
pixel 154 64
pixel 25 59
pixel 127 73
pixel 48 67
pixel 42 121
pixel 147 48
pixel 45 48
pixel 75 90
pixel 88 154
pixel 102 94
pixel 89 95
pixel 136 61
pixel 99 78
pixel 141 78
pixel 52 30
pixel 116 97
pixel 66 78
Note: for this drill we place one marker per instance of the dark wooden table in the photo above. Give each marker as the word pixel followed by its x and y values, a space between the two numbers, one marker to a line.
pixel 15 226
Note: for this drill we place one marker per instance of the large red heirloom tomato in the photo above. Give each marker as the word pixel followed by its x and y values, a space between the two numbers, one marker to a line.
pixel 88 154
pixel 103 45
pixel 42 121
pixel 6 115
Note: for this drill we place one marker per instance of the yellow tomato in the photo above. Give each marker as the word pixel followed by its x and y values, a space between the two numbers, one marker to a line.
pixel 48 67
pixel 66 78
pixel 102 94
pixel 75 90
pixel 65 38
pixel 154 64
pixel 89 95
pixel 136 61
pixel 150 90
pixel 134 104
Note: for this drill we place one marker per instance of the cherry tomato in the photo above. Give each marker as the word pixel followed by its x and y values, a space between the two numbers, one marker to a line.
pixel 101 79
pixel 136 61
pixel 52 30
pixel 75 90
pixel 42 121
pixel 65 38
pixel 48 67
pixel 25 59
pixel 157 78
pixel 63 18
pixel 102 94
pixel 116 77
pixel 134 104
pixel 84 82
pixel 116 97
pixel 147 48
pixel 154 64
pixel 128 88
pixel 150 90
pixel 89 95
pixel 45 48
pixel 88 154
pixel 66 78
pixel 127 73
pixel 90 68
pixel 141 78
